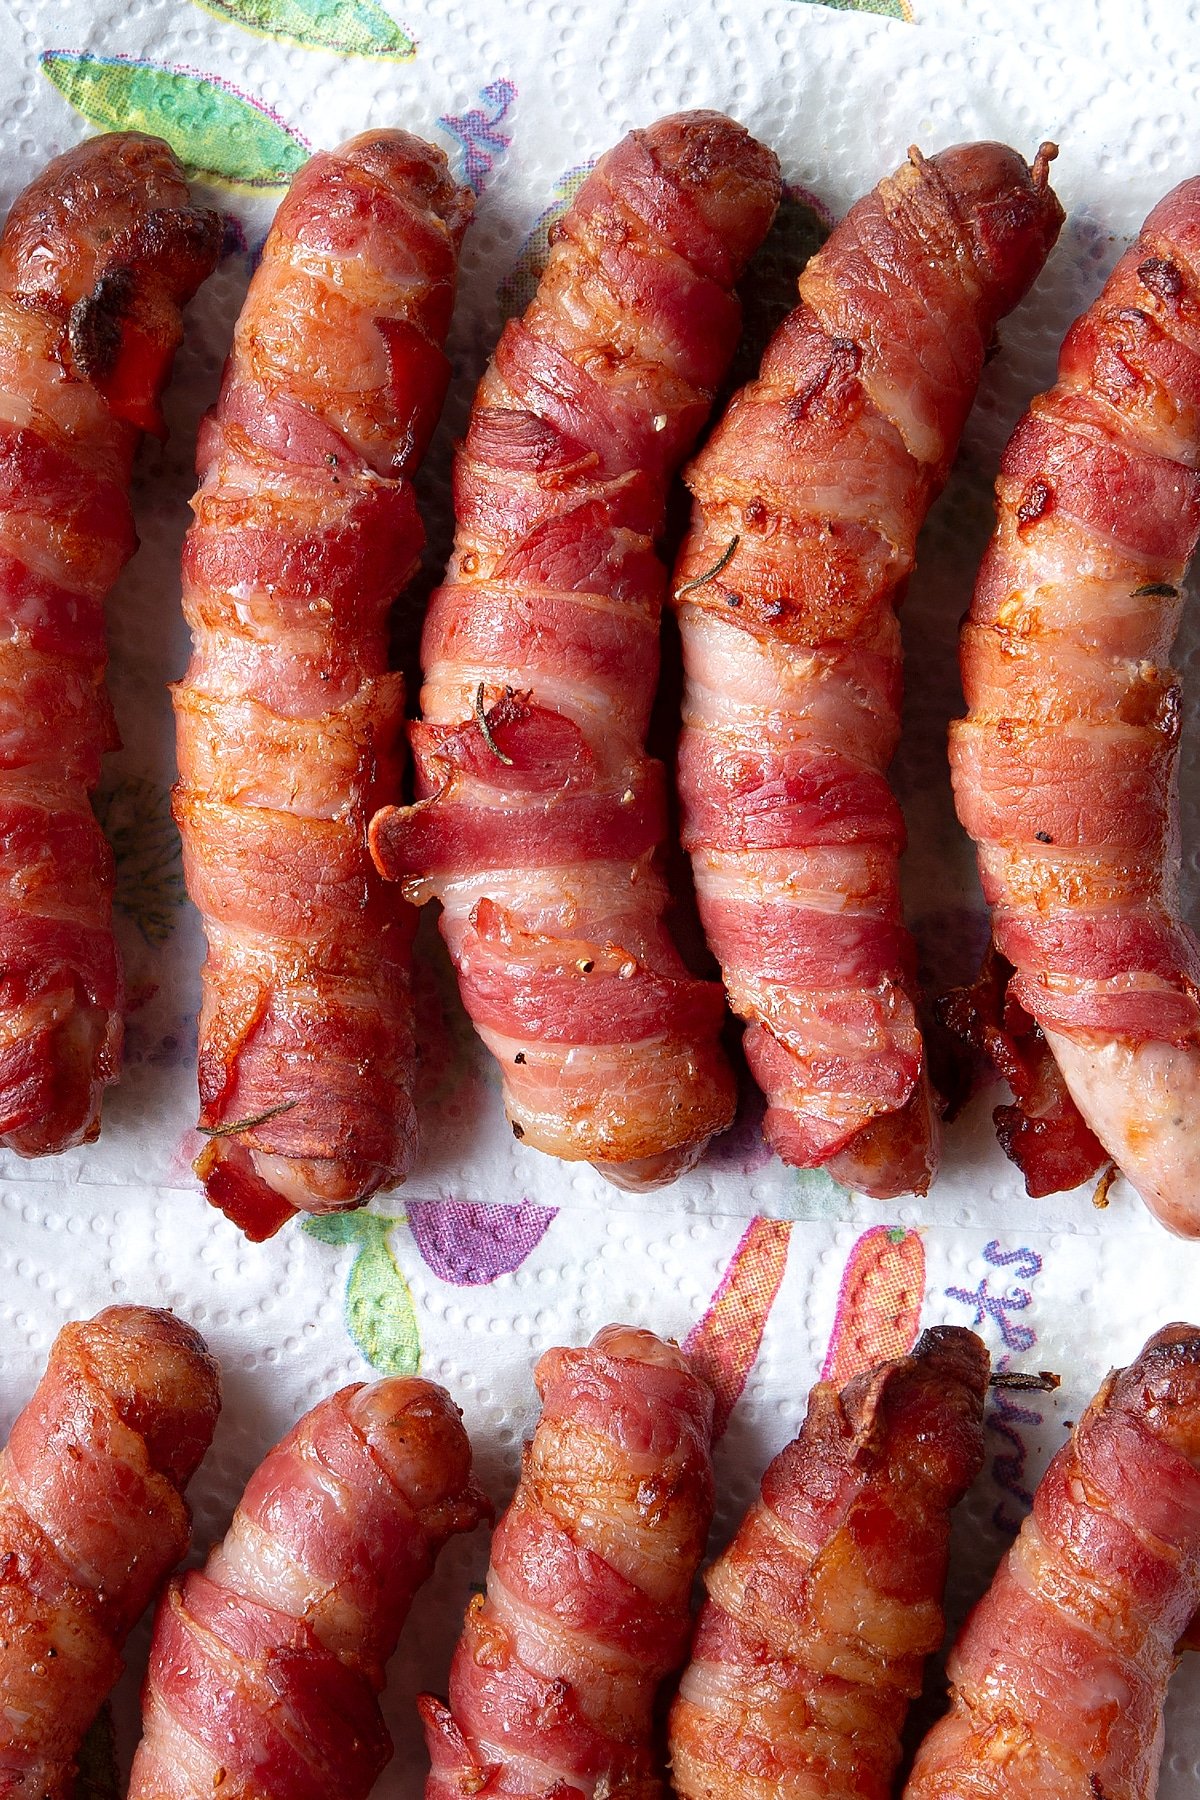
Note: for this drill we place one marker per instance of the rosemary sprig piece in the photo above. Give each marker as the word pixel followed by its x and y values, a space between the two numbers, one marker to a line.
pixel 489 740
pixel 236 1126
pixel 722 562
pixel 1044 1382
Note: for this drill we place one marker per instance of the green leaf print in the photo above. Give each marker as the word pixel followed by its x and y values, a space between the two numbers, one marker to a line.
pixel 339 1228
pixel 380 1316
pixel 216 132
pixel 891 9
pixel 348 27
pixel 814 1194
pixel 135 816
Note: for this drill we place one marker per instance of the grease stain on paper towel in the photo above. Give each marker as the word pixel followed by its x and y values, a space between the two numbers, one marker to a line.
pixel 135 817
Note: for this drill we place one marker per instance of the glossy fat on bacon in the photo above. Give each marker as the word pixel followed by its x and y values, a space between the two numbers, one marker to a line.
pixel 265 1667
pixel 92 1519
pixel 289 720
pixel 809 497
pixel 1060 1672
pixel 587 1605
pixel 539 814
pixel 1065 768
pixel 822 1611
pixel 97 259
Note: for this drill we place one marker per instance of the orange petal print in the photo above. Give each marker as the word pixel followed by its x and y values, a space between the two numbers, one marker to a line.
pixel 724 1343
pixel 879 1302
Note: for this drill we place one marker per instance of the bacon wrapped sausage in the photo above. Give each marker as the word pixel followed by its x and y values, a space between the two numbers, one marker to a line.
pixel 266 1666
pixel 539 813
pixel 289 719
pixel 92 1519
pixel 1061 1671
pixel 822 1611
pixel 97 260
pixel 587 1602
pixel 1065 768
pixel 809 497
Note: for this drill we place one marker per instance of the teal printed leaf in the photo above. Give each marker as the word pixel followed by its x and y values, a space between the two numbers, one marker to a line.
pixel 217 132
pixel 348 27
pixel 380 1315
pixel 135 816
pixel 814 1194
pixel 335 1228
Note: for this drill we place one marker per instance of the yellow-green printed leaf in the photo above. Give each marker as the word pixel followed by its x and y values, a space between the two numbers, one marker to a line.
pixel 380 1315
pixel 216 131
pixel 348 27
pixel 890 9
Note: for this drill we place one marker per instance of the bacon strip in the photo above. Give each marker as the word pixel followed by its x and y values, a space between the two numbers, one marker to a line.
pixel 586 1610
pixel 266 1666
pixel 1042 1130
pixel 92 1518
pixel 289 719
pixel 1065 766
pixel 539 814
pixel 1061 1671
pixel 822 1611
pixel 97 260
pixel 808 499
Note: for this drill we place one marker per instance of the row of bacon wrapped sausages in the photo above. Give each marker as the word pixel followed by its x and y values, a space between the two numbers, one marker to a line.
pixel 539 819
pixel 266 1665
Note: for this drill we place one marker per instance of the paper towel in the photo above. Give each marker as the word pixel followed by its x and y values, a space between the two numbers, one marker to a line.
pixel 491 1252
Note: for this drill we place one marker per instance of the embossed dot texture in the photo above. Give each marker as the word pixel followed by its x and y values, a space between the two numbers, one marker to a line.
pixel 524 96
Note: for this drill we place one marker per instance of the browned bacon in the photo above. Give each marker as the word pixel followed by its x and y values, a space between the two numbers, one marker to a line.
pixel 809 497
pixel 1065 766
pixel 586 1610
pixel 92 1519
pixel 1060 1673
pixel 289 719
pixel 98 258
pixel 266 1666
pixel 1041 1129
pixel 821 1613
pixel 539 813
